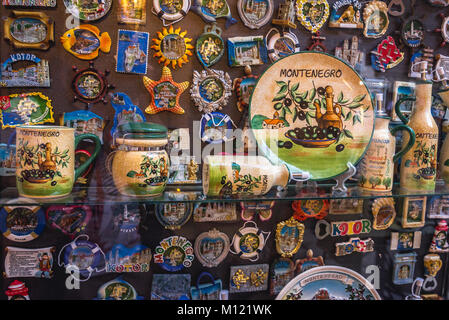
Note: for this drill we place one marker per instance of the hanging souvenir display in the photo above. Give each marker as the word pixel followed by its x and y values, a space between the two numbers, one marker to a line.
pixel 289 237
pixel 351 53
pixel 132 12
pixel 174 253
pixel 375 16
pixel 125 111
pixel 281 44
pixel 342 228
pixel 210 90
pixel 404 267
pixel 282 271
pixel 117 289
pixel 124 259
pixel 36 74
pixel 255 13
pixel 210 10
pixel 399 3
pixel 422 54
pixel 216 127
pixel 71 220
pixel 440 242
pixel 84 121
pixel 403 241
pixel 402 89
pixel 432 264
pixel 170 12
pixel 21 220
pixel 443 29
pixel 17 290
pixel 309 262
pixel 83 255
pixel 412 33
pixel 354 245
pixel 312 14
pixel 249 278
pixel 329 283
pixel 312 208
pixel 249 242
pixel 346 14
pixel 173 215
pixel 320 109
pixel 85 42
pixel 262 208
pixel 88 11
pixel 386 56
pixel 90 85
pixel 413 212
pixel 207 291
pixel 132 51
pixel 172 47
pixel 383 212
pixel 37 33
pixel 286 15
pixel 29 108
pixel 210 46
pixel 27 3
pixel 438 207
pixel 211 248
pixel 170 287
pixel 164 93
pixel 346 206
pixel 25 263
pixel 215 212
pixel 250 50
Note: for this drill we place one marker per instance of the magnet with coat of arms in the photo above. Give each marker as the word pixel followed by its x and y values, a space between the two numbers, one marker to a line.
pixel 311 208
pixel 255 13
pixel 281 44
pixel 375 16
pixel 249 278
pixel 312 14
pixel 90 85
pixel 289 237
pixel 210 46
pixel 346 14
pixel 211 248
pixel 249 241
pixel 170 11
pixel 210 90
pixel 174 253
pixel 210 10
pixel 172 47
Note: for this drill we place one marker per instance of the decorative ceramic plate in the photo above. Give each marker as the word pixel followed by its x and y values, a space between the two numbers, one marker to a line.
pixel 320 107
pixel 329 283
pixel 88 10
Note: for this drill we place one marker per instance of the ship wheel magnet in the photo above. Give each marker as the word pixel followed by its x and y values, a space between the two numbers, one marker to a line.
pixel 90 85
pixel 172 47
pixel 444 29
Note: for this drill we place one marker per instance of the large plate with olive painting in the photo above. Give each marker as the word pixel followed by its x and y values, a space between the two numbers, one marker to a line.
pixel 313 112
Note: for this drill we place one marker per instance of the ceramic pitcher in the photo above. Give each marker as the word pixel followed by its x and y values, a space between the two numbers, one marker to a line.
pixel 377 166
pixel 45 157
pixel 243 175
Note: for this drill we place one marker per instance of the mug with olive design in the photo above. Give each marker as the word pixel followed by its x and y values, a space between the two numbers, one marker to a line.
pixel 45 157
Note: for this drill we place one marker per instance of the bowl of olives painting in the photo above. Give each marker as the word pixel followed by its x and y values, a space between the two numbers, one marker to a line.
pixel 313 112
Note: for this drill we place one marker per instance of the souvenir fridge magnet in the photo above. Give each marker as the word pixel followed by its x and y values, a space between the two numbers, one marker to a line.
pixel 210 10
pixel 438 207
pixel 84 121
pixel 17 290
pixel 262 208
pixel 432 264
pixel 440 242
pixel 71 220
pixel 25 263
pixel 125 111
pixel 244 51
pixel 88 11
pixel 255 13
pixel 375 16
pixel 249 242
pixel 211 290
pixel 85 41
pixel 164 93
pixel 35 74
pixel 117 289
pixel 317 43
pixel 170 287
pixel 403 241
pixel 312 14
pixel 132 51
pixel 249 278
pixel 27 3
pixel 173 215
pixel 90 85
pixel 128 259
pixel 83 255
pixel 354 245
pixel 172 47
pixel 345 206
pixel 351 53
pixel 413 212
pixel 174 253
pixel 346 14
pixel 210 46
pixel 25 109
pixel 215 212
pixel 29 30
pixel 412 33
pixel 281 44
pixel 210 90
pixel 421 54
pixel 402 89
pixel 211 248
pixel 309 262
pixel 383 212
pixel 286 15
pixel 386 55
pixel 282 271
pixel 170 11
pixel 216 127
pixel 396 3
pixel 313 208
pixel 404 268
pixel 443 29
pixel 132 12
pixel 21 220
pixel 243 88
pixel 289 236
pixel 342 228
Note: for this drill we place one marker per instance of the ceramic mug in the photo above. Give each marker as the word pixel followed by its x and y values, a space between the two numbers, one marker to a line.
pixel 45 157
